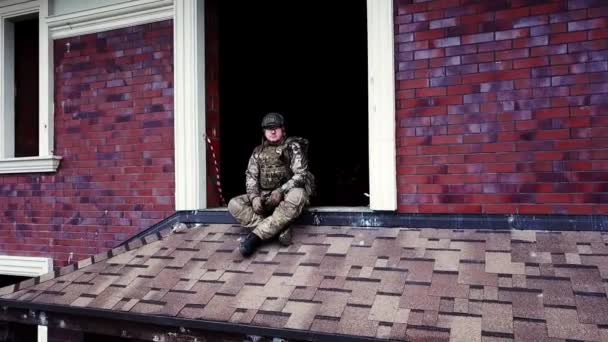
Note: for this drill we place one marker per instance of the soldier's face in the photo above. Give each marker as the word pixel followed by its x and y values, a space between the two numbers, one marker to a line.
pixel 274 134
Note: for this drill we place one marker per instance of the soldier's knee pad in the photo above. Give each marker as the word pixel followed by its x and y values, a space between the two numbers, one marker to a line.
pixel 296 196
pixel 235 206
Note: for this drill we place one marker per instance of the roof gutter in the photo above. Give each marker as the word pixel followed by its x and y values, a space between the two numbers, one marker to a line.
pixel 172 322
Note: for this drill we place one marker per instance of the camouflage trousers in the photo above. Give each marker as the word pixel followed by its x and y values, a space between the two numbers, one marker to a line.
pixel 274 220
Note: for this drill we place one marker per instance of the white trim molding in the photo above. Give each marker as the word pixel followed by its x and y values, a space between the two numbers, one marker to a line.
pixel 189 99
pixel 104 18
pixel 7 88
pixel 29 164
pixel 381 87
pixel 25 266
pixel 46 79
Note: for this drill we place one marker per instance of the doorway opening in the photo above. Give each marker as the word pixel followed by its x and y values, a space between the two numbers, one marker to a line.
pixel 308 61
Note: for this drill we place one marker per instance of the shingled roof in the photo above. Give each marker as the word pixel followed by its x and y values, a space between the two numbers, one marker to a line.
pixel 386 283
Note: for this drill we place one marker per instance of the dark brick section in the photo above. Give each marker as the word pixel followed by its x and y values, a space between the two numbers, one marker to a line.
pixel 114 130
pixel 502 106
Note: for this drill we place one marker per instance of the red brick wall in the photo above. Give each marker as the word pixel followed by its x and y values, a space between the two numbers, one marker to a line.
pixel 502 106
pixel 114 130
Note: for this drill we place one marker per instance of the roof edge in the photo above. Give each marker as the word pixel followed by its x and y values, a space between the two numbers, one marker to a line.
pixel 128 245
pixel 168 321
pixel 391 219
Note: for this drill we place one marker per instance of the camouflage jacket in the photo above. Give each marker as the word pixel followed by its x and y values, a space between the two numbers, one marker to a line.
pixel 283 167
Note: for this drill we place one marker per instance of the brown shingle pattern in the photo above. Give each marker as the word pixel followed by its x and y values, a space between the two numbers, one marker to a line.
pixel 389 283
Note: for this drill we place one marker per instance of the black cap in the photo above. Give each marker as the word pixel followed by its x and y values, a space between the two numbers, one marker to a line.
pixel 273 120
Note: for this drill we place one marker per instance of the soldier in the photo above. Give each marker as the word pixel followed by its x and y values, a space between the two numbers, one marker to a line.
pixel 278 184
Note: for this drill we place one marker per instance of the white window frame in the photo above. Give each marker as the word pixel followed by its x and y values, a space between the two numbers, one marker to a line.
pixel 381 95
pixel 23 266
pixel 189 99
pixel 46 161
pixel 31 267
pixel 190 149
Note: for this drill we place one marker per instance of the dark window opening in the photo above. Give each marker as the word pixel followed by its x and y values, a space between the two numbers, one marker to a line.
pixel 307 60
pixel 6 280
pixel 15 332
pixel 26 87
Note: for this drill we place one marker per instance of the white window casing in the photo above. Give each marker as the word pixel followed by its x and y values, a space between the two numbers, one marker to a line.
pixel 190 153
pixel 190 148
pixel 7 89
pixel 381 78
pixel 45 161
pixel 46 119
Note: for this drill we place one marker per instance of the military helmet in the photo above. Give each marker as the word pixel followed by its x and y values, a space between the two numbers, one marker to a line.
pixel 273 120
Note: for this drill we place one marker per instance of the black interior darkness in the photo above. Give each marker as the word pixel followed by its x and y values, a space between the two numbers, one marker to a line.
pixel 308 61
pixel 26 87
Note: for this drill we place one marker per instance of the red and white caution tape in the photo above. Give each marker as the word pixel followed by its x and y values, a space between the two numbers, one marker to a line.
pixel 217 171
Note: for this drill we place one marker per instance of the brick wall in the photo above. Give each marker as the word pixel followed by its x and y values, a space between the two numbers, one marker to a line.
pixel 114 130
pixel 502 106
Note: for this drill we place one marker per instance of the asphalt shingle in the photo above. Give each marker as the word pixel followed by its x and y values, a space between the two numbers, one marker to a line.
pixel 387 283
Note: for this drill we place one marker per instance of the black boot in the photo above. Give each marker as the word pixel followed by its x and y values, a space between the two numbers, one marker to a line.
pixel 249 244
pixel 285 237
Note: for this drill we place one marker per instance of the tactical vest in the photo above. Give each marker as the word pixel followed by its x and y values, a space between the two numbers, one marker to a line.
pixel 274 166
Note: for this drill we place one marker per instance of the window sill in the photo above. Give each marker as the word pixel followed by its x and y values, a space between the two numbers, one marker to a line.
pixel 29 164
pixel 25 266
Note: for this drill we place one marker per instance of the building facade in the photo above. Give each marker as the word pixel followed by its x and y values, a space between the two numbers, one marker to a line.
pixel 470 108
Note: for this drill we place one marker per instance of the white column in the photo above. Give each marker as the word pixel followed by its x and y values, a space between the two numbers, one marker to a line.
pixel 43 333
pixel 46 87
pixel 189 97
pixel 381 78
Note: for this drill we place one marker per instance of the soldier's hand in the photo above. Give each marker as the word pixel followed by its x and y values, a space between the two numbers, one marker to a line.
pixel 258 208
pixel 275 198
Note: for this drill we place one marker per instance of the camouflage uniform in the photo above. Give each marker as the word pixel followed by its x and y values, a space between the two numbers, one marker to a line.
pixel 271 167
